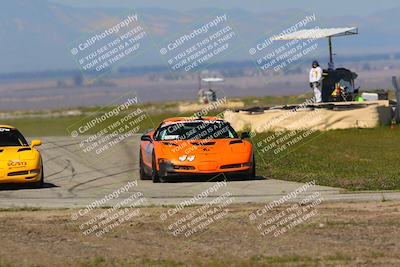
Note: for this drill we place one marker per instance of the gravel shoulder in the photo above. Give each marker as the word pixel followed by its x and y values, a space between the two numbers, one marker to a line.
pixel 340 234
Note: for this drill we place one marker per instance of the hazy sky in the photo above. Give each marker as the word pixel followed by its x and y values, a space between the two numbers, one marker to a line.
pixel 322 7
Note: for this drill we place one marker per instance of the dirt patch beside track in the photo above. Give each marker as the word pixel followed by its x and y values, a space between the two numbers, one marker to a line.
pixel 341 234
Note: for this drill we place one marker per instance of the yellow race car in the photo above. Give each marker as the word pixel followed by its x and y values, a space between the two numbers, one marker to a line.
pixel 19 161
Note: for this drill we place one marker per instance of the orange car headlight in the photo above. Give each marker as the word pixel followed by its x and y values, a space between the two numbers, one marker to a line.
pixel 185 157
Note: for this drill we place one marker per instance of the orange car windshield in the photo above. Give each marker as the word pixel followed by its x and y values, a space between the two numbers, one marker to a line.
pixel 195 131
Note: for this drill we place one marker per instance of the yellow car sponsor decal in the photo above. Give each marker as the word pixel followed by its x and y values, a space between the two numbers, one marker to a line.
pixel 17 163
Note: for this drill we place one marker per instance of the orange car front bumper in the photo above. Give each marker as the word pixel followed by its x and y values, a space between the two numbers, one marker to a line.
pixel 170 169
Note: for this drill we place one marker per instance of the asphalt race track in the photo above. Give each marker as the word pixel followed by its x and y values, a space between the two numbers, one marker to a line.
pixel 74 178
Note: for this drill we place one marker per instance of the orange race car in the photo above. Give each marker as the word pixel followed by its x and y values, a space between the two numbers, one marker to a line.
pixel 182 147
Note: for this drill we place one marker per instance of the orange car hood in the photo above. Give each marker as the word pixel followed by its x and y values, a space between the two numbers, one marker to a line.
pixel 198 147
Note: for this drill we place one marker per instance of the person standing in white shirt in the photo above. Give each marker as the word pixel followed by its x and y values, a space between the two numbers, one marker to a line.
pixel 315 80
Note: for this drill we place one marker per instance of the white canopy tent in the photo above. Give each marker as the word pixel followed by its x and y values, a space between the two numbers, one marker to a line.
pixel 212 80
pixel 318 34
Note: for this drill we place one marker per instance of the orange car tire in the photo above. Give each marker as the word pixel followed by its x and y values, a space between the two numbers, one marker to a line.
pixel 154 173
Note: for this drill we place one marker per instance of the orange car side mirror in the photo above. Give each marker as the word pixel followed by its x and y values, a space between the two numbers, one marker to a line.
pixel 36 143
pixel 146 138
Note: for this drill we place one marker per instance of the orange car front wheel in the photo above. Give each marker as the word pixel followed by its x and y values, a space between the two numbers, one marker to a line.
pixel 154 173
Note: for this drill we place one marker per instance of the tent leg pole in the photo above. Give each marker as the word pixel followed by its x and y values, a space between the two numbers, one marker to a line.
pixel 330 50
